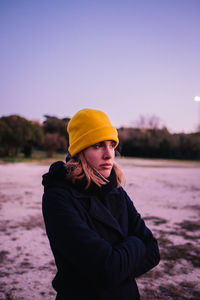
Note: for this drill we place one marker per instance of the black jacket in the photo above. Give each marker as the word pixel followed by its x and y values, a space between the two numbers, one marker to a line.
pixel 99 241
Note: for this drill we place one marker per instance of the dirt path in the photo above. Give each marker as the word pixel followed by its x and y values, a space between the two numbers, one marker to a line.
pixel 167 194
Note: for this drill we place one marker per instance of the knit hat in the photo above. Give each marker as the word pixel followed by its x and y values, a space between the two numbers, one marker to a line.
pixel 88 127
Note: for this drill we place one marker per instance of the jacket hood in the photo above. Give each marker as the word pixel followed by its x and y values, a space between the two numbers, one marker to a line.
pixel 56 176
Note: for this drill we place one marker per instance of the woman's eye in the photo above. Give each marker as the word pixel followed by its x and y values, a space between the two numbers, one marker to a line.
pixel 96 146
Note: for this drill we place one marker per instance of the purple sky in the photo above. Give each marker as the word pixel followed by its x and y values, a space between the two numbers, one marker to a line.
pixel 127 58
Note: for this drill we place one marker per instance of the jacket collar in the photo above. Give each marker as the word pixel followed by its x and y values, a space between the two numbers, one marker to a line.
pixel 100 212
pixel 94 189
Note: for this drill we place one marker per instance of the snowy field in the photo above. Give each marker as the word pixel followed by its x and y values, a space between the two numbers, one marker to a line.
pixel 167 195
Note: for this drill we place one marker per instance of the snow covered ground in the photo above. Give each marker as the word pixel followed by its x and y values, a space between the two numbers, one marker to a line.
pixel 167 195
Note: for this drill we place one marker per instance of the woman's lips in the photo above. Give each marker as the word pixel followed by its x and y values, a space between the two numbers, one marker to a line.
pixel 106 166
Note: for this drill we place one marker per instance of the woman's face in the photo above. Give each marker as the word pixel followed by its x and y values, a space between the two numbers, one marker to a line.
pixel 101 157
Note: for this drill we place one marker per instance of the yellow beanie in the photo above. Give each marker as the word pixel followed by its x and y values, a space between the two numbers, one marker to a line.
pixel 88 127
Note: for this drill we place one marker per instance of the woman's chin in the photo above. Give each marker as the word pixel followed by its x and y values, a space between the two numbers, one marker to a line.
pixel 105 173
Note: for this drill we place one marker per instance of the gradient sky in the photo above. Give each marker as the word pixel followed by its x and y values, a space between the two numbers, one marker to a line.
pixel 127 58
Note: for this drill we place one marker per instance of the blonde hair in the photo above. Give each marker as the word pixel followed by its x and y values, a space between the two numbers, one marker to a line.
pixel 77 167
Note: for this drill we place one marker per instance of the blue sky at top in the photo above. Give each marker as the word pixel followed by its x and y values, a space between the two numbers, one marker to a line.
pixel 128 58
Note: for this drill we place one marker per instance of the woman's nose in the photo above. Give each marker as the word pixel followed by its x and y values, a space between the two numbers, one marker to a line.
pixel 108 152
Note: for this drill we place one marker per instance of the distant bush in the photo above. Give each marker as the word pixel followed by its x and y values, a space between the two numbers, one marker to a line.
pixel 17 133
pixel 53 143
pixel 158 143
pixel 56 136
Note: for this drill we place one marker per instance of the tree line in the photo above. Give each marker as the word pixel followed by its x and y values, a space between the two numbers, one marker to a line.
pixel 18 134
pixel 147 139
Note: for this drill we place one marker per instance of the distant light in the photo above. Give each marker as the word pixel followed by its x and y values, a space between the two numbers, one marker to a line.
pixel 197 98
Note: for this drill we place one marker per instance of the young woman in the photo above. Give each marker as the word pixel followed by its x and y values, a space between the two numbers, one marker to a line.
pixel 99 241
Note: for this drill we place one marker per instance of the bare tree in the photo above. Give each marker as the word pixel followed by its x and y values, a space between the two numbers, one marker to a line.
pixel 148 122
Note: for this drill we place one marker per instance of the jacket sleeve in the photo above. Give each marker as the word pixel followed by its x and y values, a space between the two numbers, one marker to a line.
pixel 138 228
pixel 94 258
